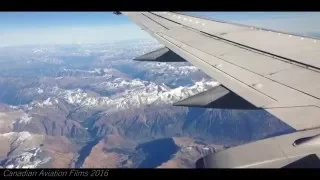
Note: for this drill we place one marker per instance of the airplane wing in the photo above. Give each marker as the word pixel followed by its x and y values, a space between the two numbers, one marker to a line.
pixel 275 71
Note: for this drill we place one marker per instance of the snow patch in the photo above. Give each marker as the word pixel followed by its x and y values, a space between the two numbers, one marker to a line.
pixel 10 166
pixel 8 134
pixel 46 103
pixel 23 136
pixel 40 91
pixel 178 69
pixel 20 136
pixel 27 159
pixel 206 148
pixel 14 107
pixel 25 118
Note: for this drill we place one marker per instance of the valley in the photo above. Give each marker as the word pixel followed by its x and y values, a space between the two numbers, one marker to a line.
pixel 92 106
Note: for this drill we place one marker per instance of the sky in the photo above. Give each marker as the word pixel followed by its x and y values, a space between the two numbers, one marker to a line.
pixel 305 23
pixel 24 28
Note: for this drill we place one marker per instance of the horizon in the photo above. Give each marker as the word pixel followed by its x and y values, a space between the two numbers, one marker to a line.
pixel 66 28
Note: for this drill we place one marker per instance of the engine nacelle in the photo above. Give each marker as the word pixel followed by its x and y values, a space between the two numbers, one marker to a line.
pixel 294 150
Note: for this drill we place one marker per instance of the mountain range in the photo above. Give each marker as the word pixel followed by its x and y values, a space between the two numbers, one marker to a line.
pixel 90 105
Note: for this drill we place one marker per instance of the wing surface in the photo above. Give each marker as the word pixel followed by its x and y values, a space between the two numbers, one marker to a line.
pixel 276 71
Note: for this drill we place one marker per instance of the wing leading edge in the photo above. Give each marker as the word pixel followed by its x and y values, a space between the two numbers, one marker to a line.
pixel 261 66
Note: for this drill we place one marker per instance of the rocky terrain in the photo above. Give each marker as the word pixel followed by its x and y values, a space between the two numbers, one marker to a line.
pixel 90 105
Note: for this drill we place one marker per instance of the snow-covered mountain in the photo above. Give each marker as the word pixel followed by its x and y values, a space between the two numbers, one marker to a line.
pixel 173 69
pixel 22 150
pixel 61 100
pixel 27 159
pixel 28 150
pixel 133 94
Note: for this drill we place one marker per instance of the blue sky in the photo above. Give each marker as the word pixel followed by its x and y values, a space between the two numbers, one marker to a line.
pixel 21 28
pixel 9 20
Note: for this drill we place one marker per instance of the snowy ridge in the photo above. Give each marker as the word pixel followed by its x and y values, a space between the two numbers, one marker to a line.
pixel 24 150
pixel 25 119
pixel 119 84
pixel 44 50
pixel 14 107
pixel 171 68
pixel 17 137
pixel 27 159
pixel 128 93
pixel 96 70
pixel 42 59
pixel 21 139
pixel 80 73
pixel 137 93
pixel 49 102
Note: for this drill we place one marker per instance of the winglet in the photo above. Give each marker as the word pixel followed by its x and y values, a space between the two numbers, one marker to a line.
pixel 117 12
pixel 217 97
pixel 160 55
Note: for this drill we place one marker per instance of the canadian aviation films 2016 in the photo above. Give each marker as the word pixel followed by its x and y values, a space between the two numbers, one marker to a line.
pixel 50 173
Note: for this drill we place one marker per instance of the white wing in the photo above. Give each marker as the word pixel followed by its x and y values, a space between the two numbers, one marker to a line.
pixel 276 71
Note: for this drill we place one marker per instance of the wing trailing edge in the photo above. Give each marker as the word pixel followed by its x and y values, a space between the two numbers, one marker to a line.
pixel 160 55
pixel 218 97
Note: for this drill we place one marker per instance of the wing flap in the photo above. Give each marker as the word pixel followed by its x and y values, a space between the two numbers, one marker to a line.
pixel 296 78
pixel 217 97
pixel 300 118
pixel 160 55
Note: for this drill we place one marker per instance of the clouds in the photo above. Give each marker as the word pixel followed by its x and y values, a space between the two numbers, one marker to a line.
pixel 71 35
